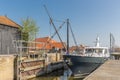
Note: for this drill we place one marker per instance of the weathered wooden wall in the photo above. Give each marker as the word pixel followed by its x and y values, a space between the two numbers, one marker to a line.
pixel 7 35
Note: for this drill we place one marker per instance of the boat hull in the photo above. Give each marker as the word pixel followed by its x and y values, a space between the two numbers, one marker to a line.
pixel 83 65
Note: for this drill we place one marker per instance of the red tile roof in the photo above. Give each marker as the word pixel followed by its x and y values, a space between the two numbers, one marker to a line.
pixel 45 39
pixel 48 43
pixel 58 45
pixel 6 21
pixel 81 47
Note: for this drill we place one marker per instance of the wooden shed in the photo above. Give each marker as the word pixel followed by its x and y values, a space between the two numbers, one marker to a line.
pixel 9 31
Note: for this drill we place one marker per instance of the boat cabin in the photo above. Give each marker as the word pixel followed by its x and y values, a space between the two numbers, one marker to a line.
pixel 96 51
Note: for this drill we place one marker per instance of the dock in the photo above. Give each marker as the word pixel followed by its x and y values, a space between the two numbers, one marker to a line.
pixel 110 70
pixel 116 55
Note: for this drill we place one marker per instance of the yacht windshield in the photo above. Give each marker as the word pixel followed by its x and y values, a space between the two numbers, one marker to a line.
pixel 96 50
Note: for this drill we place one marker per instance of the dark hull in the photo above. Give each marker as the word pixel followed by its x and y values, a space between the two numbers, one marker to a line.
pixel 83 65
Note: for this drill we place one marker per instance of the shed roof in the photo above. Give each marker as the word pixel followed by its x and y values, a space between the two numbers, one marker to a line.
pixel 4 20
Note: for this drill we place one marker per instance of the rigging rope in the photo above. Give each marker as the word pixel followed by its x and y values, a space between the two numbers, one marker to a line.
pixel 54 26
pixel 74 38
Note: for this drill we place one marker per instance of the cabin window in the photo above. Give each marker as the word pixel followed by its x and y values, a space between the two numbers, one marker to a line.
pixel 94 50
pixel 105 51
pixel 98 51
pixel 89 50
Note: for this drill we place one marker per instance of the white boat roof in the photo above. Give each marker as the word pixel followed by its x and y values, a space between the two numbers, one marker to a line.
pixel 96 47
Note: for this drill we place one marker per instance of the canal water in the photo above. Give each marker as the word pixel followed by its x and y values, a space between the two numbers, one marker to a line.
pixel 58 75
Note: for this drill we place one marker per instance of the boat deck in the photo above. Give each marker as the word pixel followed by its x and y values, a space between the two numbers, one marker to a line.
pixel 110 70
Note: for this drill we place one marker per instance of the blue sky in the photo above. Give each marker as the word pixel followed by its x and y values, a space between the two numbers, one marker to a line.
pixel 88 18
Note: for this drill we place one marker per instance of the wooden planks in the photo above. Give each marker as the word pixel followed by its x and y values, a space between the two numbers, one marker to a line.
pixel 110 70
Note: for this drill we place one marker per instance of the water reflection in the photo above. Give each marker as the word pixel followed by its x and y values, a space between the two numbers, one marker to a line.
pixel 57 75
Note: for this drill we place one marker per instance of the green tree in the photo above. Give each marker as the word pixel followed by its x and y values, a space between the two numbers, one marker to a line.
pixel 29 29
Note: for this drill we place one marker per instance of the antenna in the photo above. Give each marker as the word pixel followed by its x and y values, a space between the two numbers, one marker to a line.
pixel 51 21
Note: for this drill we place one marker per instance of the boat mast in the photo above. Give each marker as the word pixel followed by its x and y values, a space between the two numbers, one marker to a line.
pixel 67 36
pixel 97 42
pixel 112 43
